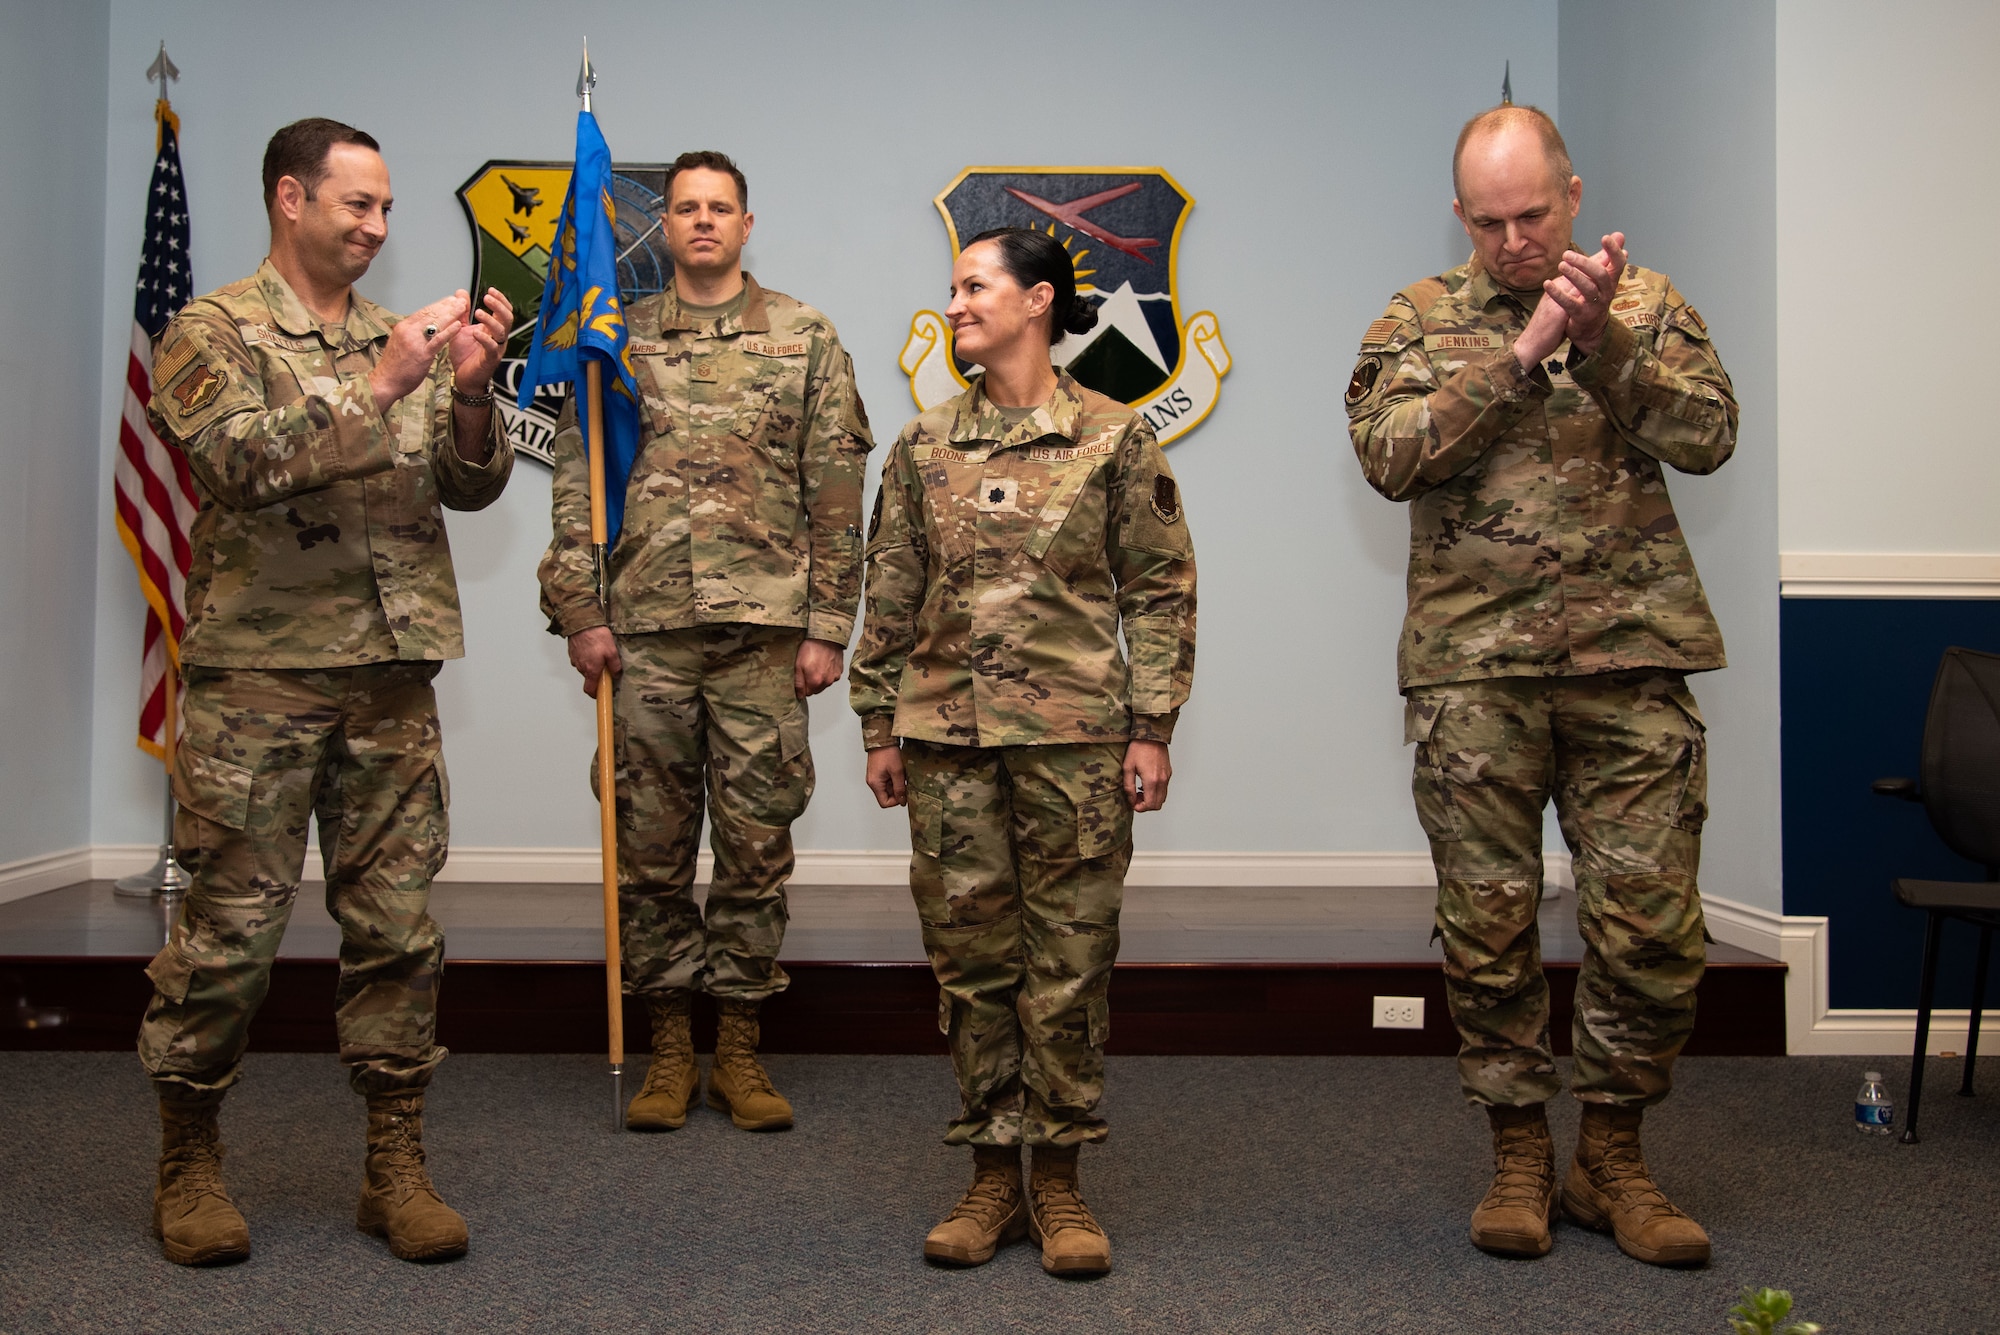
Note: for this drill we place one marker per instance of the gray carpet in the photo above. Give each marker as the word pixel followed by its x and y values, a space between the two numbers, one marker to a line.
pixel 1248 1194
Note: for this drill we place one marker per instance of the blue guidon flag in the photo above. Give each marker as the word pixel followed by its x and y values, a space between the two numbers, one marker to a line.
pixel 1121 226
pixel 581 317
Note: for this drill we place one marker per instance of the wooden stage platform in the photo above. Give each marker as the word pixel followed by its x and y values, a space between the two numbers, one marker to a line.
pixel 1201 971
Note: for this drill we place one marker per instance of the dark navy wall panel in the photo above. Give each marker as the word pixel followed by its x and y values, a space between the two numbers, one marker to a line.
pixel 1855 677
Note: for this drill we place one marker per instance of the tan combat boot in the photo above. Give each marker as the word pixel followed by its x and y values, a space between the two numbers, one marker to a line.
pixel 398 1201
pixel 737 1082
pixel 193 1217
pixel 1072 1242
pixel 671 1080
pixel 994 1212
pixel 1609 1188
pixel 1514 1218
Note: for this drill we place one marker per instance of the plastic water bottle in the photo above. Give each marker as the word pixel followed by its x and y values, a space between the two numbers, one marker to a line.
pixel 1874 1111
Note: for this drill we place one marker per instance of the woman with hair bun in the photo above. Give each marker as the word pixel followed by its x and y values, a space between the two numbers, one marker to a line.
pixel 1019 529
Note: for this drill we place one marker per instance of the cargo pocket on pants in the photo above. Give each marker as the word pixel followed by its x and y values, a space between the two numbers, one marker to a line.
pixel 212 789
pixel 1436 812
pixel 1691 807
pixel 171 974
pixel 926 825
pixel 794 734
pixel 214 793
pixel 1103 825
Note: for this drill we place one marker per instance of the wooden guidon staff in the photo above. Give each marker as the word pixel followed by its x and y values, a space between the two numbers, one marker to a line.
pixel 607 790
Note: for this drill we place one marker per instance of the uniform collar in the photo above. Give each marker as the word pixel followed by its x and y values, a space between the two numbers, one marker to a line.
pixel 979 419
pixel 755 317
pixel 365 320
pixel 1482 289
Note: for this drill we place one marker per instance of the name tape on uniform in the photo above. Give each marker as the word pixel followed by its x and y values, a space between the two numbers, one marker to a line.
pixel 1463 342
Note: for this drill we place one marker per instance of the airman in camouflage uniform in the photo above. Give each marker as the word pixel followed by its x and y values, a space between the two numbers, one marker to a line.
pixel 1554 612
pixel 1007 551
pixel 738 562
pixel 326 438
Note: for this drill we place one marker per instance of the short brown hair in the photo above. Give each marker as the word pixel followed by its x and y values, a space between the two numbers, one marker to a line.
pixel 1502 117
pixel 299 151
pixel 715 162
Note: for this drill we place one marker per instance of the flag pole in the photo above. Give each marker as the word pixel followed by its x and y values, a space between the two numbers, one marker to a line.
pixel 166 877
pixel 607 790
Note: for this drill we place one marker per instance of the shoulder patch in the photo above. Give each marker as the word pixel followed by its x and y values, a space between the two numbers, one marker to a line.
pixel 198 390
pixel 769 347
pixel 1366 372
pixel 1694 317
pixel 172 360
pixel 1166 499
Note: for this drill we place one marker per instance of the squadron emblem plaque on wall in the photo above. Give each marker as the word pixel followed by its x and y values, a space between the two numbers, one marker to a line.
pixel 1121 226
pixel 512 207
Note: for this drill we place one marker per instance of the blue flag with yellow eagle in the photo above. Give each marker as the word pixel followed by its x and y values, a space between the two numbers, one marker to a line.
pixel 581 317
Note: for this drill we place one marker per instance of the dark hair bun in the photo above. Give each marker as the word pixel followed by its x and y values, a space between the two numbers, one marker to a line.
pixel 1082 317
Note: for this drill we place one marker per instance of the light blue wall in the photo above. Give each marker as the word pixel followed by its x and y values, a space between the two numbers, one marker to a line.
pixel 52 97
pixel 1315 136
pixel 1670 112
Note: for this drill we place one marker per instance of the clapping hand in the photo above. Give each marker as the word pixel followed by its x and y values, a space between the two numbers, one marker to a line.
pixel 1583 288
pixel 476 346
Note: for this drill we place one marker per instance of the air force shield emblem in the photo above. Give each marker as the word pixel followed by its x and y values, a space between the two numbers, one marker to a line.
pixel 513 207
pixel 1121 226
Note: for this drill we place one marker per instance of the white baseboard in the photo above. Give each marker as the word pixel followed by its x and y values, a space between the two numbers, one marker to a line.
pixel 31 876
pixel 1812 1027
pixel 892 867
pixel 1888 575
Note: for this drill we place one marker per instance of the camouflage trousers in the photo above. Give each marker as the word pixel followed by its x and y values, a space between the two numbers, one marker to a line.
pixel 265 752
pixel 1623 757
pixel 1018 861
pixel 707 710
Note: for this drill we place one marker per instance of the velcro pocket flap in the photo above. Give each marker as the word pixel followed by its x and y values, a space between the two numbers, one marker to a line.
pixel 794 734
pixel 1055 513
pixel 1103 825
pixel 926 824
pixel 213 789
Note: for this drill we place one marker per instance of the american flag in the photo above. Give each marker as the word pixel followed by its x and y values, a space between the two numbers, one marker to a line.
pixel 155 495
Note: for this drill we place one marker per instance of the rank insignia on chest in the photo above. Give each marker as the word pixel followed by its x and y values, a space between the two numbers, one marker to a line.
pixel 999 495
pixel 198 390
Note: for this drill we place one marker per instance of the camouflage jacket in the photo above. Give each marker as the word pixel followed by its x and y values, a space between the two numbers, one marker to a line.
pixel 1001 564
pixel 320 540
pixel 745 502
pixel 1542 542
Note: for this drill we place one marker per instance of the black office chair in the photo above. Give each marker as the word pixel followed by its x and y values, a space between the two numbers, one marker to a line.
pixel 1960 790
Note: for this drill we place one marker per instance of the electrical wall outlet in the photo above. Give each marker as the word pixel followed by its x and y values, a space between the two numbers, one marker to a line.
pixel 1399 1012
